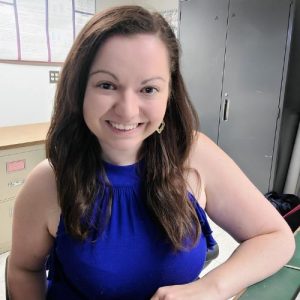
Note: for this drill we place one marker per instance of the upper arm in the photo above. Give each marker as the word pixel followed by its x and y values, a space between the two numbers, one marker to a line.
pixel 233 202
pixel 34 207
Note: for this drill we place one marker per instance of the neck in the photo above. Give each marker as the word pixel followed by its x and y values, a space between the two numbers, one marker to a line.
pixel 120 158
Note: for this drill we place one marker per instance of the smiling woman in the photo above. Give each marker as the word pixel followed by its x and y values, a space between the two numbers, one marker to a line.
pixel 120 203
pixel 121 110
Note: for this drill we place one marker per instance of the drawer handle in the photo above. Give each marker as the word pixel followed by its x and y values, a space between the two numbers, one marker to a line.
pixel 16 183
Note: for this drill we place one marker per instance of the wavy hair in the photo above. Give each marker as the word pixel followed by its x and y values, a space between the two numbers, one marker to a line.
pixel 75 153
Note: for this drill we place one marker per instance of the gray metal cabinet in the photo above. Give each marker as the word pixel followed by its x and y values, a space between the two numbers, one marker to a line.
pixel 235 55
pixel 203 28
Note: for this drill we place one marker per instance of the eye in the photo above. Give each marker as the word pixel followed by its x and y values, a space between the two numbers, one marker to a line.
pixel 106 86
pixel 149 90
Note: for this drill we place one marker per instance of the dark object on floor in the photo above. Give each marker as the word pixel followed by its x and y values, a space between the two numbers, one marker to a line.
pixel 293 218
pixel 288 206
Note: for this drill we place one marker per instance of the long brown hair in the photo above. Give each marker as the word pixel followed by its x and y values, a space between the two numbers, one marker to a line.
pixel 75 153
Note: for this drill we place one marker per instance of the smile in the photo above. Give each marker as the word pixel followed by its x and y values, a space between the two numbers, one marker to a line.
pixel 124 127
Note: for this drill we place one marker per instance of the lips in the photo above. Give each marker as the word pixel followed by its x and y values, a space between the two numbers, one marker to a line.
pixel 123 127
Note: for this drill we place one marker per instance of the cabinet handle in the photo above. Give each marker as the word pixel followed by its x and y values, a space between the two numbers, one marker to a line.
pixel 16 183
pixel 226 110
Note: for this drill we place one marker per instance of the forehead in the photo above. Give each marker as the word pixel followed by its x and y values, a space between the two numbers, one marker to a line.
pixel 137 48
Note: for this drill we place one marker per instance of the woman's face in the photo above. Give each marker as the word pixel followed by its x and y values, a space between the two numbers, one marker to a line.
pixel 127 94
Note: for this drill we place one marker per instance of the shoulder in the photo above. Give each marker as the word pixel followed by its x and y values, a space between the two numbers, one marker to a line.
pixel 201 150
pixel 204 150
pixel 210 160
pixel 203 157
pixel 35 218
pixel 203 160
pixel 43 173
pixel 40 192
pixel 40 184
pixel 230 194
pixel 219 173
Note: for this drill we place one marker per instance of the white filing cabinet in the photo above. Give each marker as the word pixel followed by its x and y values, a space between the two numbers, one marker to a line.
pixel 16 161
pixel 15 164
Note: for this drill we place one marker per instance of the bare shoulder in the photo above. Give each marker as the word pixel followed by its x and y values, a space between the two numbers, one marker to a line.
pixel 36 214
pixel 196 175
pixel 230 194
pixel 40 186
pixel 204 150
pixel 211 161
pixel 205 156
pixel 42 172
pixel 40 192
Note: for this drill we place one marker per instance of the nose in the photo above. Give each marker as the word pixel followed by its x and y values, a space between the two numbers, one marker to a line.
pixel 127 105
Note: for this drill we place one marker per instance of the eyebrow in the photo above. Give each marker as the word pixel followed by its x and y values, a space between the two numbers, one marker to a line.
pixel 153 78
pixel 105 72
pixel 116 78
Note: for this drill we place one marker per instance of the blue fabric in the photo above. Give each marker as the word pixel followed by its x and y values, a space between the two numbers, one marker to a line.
pixel 131 259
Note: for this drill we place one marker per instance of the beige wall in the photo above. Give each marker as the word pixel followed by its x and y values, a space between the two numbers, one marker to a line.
pixel 149 4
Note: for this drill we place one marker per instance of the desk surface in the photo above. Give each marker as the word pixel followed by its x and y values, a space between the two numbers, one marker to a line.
pixel 22 135
pixel 283 285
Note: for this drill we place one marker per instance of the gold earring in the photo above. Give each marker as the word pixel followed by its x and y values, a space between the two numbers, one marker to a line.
pixel 161 127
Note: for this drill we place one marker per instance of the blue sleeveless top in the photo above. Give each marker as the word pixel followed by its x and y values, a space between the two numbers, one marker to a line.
pixel 131 259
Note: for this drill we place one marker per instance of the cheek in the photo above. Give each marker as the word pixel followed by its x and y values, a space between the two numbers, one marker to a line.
pixel 158 109
pixel 86 109
pixel 93 106
pixel 154 110
pixel 90 111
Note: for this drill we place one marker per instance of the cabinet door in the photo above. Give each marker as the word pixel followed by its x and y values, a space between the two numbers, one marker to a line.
pixel 203 25
pixel 253 76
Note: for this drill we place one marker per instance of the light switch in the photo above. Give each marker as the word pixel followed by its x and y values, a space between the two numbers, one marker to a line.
pixel 53 76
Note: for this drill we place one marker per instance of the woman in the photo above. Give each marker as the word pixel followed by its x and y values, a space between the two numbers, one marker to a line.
pixel 115 202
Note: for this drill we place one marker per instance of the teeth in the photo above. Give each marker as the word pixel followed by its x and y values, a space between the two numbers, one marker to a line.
pixel 123 126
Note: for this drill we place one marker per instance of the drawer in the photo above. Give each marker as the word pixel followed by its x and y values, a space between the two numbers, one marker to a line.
pixel 15 164
pixel 6 211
